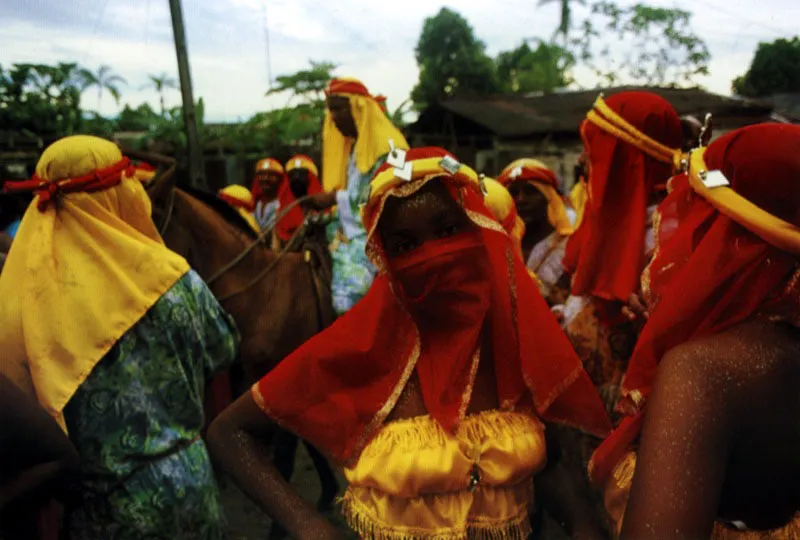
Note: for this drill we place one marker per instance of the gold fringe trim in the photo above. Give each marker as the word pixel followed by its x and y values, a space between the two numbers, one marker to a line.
pixel 412 434
pixel 516 527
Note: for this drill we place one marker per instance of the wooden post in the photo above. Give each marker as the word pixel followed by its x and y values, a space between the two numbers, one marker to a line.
pixel 196 168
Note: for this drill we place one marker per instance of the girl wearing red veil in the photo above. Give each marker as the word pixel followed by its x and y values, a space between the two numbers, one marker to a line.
pixel 710 394
pixel 432 391
pixel 628 140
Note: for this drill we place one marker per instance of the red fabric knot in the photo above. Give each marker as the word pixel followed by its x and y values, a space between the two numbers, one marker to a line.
pixel 97 180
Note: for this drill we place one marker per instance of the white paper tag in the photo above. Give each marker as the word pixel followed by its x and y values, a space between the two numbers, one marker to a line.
pixel 516 172
pixel 397 158
pixel 714 179
pixel 404 172
pixel 450 165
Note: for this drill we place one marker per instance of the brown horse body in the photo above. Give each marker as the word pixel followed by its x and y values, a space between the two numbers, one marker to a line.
pixel 277 300
pixel 274 315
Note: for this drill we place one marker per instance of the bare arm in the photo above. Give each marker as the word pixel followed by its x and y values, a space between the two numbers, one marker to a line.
pixel 239 441
pixel 683 450
pixel 35 454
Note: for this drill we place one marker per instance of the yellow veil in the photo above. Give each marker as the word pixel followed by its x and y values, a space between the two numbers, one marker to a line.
pixel 80 274
pixel 374 131
pixel 244 196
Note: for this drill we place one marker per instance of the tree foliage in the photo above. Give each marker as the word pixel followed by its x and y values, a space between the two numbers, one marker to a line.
pixel 105 80
pixel 565 21
pixel 451 60
pixel 543 69
pixel 141 118
pixel 161 83
pixel 41 99
pixel 651 45
pixel 775 70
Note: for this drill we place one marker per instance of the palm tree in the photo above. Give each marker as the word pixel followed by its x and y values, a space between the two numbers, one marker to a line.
pixel 104 80
pixel 160 83
pixel 566 16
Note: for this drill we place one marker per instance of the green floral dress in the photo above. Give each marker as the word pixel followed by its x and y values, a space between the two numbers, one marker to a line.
pixel 352 270
pixel 136 423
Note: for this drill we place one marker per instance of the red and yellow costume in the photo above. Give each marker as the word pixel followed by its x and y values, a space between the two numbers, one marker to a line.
pixel 293 218
pixel 545 260
pixel 424 319
pixel 240 198
pixel 724 255
pixel 628 140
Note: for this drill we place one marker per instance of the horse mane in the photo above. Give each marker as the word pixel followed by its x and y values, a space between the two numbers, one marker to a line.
pixel 222 208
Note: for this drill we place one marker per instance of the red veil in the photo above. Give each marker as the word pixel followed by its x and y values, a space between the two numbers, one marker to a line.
pixel 606 254
pixel 338 388
pixel 710 271
pixel 294 217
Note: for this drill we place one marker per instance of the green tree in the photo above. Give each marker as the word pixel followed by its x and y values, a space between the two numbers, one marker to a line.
pixel 41 99
pixel 142 118
pixel 307 85
pixel 105 80
pixel 775 70
pixel 661 49
pixel 161 83
pixel 451 60
pixel 544 69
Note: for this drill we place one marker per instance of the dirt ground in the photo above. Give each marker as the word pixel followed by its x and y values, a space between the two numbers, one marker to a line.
pixel 247 522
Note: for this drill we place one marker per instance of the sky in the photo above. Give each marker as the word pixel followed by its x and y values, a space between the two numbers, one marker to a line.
pixel 374 41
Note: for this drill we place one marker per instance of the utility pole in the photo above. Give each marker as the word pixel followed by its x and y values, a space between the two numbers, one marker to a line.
pixel 196 168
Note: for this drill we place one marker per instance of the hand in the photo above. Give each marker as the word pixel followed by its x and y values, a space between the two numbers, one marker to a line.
pixel 636 308
pixel 321 201
pixel 558 312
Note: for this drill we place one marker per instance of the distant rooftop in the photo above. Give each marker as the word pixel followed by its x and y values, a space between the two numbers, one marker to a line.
pixel 512 116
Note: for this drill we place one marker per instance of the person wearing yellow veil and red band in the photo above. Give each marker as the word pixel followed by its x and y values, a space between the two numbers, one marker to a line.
pixel 627 140
pixel 356 138
pixel 431 391
pixel 240 198
pixel 115 336
pixel 301 179
pixel 547 221
pixel 716 363
pixel 269 177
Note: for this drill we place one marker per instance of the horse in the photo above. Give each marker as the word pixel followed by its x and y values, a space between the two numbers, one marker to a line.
pixel 278 300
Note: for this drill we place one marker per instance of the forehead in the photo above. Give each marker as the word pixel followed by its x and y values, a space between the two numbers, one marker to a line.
pixel 431 202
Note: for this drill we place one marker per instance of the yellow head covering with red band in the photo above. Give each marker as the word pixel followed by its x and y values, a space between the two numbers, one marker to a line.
pixel 241 198
pixel 374 127
pixel 301 161
pixel 269 165
pixel 54 326
pixel 542 178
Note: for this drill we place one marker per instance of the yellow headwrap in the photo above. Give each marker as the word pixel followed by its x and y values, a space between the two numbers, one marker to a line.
pixel 374 131
pixel 542 178
pixel 501 203
pixel 241 198
pixel 80 274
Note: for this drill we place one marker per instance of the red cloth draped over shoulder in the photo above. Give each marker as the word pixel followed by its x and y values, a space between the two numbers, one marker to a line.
pixel 711 273
pixel 606 254
pixel 338 388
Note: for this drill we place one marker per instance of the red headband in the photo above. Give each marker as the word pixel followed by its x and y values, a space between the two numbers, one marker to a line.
pixel 339 86
pixel 97 180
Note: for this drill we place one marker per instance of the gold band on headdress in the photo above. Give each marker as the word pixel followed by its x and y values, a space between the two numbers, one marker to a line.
pixel 772 229
pixel 609 121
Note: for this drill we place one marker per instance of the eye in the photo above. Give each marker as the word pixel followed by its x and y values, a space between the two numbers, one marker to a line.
pixel 449 229
pixel 403 245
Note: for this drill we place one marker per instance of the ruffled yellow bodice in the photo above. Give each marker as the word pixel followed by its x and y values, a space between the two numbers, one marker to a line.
pixel 414 480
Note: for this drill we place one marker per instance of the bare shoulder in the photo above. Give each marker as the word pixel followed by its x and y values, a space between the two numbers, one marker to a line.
pixel 750 353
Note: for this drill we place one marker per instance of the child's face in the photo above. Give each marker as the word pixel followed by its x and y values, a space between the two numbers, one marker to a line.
pixel 429 214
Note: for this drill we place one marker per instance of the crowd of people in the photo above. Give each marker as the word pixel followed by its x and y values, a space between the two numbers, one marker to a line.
pixel 623 357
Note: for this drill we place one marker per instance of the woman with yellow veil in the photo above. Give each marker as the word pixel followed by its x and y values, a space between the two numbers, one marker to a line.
pixel 115 336
pixel 356 139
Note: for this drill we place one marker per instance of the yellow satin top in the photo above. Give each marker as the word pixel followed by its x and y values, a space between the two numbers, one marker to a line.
pixel 414 480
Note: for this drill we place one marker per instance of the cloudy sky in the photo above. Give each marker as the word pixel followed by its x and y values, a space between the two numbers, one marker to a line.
pixel 372 40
